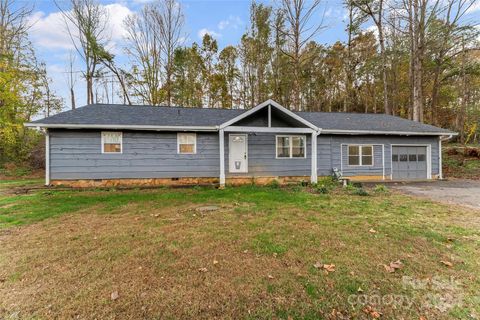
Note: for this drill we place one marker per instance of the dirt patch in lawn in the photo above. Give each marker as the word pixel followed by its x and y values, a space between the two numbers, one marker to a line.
pixel 241 260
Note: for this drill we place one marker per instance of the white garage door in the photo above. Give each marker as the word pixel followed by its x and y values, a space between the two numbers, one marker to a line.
pixel 409 162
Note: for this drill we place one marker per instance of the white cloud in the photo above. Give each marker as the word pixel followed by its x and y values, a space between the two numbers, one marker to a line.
pixel 48 31
pixel 202 32
pixel 233 22
pixel 474 8
pixel 374 30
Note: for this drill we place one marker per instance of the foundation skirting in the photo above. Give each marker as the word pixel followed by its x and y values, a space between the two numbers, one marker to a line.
pixel 151 182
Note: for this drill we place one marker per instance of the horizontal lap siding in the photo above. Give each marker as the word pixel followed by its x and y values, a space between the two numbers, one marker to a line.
pixel 332 145
pixel 262 158
pixel 77 155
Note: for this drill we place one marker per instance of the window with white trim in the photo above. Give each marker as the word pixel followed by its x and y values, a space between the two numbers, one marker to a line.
pixel 291 146
pixel 186 143
pixel 111 142
pixel 359 155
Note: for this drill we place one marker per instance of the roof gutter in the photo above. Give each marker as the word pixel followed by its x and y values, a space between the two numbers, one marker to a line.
pixel 447 137
pixel 402 133
pixel 120 126
pixel 217 128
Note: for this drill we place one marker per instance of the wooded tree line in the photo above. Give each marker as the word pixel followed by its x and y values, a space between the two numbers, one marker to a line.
pixel 24 85
pixel 418 59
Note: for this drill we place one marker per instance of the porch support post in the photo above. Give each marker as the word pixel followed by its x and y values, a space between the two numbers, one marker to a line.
pixel 313 176
pixel 47 158
pixel 221 140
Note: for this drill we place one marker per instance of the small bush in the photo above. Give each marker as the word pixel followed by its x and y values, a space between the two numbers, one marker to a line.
pixel 325 185
pixel 13 170
pixel 357 184
pixel 322 189
pixel 274 184
pixel 380 188
pixel 360 192
pixel 451 151
pixel 471 152
pixel 304 183
pixel 350 187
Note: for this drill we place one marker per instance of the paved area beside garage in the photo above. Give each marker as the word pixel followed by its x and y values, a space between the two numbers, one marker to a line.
pixel 462 192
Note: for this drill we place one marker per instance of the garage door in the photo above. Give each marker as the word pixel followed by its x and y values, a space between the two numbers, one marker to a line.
pixel 409 162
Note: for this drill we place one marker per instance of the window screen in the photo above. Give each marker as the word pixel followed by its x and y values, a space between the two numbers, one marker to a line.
pixel 187 143
pixel 111 142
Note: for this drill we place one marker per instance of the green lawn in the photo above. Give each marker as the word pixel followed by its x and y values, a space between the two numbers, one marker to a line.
pixel 65 252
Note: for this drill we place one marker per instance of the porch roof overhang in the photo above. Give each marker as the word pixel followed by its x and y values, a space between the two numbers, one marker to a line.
pixel 268 104
pixel 268 129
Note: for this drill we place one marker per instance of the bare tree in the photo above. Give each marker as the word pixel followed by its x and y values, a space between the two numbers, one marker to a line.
pixel 447 39
pixel 86 23
pixel 375 10
pixel 298 31
pixel 169 17
pixel 13 25
pixel 144 49
pixel 420 14
pixel 71 78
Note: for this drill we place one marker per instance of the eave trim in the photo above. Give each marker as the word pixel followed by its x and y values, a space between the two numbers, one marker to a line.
pixel 121 126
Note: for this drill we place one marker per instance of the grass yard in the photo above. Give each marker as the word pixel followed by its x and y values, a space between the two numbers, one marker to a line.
pixel 266 252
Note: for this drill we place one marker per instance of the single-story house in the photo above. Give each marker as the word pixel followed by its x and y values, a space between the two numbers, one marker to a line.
pixel 108 145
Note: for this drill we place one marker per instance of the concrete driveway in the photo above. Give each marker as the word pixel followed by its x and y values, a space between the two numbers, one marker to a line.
pixel 462 192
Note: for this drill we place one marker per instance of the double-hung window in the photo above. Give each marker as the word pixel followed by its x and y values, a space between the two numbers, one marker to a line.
pixel 111 142
pixel 360 155
pixel 186 143
pixel 291 146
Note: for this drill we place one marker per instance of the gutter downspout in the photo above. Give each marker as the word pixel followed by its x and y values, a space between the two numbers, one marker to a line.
pixel 47 157
pixel 440 164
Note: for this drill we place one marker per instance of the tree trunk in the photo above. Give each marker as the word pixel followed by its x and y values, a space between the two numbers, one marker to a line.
pixel 435 93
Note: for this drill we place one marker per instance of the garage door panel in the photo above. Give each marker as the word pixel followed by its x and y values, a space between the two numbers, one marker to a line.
pixel 409 162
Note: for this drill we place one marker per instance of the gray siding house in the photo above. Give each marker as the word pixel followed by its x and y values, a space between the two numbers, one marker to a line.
pixel 107 145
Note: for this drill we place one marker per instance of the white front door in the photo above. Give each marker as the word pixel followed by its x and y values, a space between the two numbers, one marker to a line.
pixel 238 153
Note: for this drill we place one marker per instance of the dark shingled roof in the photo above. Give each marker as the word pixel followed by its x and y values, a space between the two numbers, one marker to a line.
pixel 103 114
pixel 142 115
pixel 366 121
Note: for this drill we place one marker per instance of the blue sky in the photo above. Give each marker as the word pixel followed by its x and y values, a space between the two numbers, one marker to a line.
pixel 226 20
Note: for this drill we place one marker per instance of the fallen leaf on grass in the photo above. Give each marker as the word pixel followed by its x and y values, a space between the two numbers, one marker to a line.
pixel 372 312
pixel 393 266
pixel 372 231
pixel 327 267
pixel 203 269
pixel 447 263
pixel 270 276
pixel 114 296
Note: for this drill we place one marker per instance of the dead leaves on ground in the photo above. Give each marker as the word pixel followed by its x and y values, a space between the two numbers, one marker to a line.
pixel 372 312
pixel 326 267
pixel 114 295
pixel 446 263
pixel 393 266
